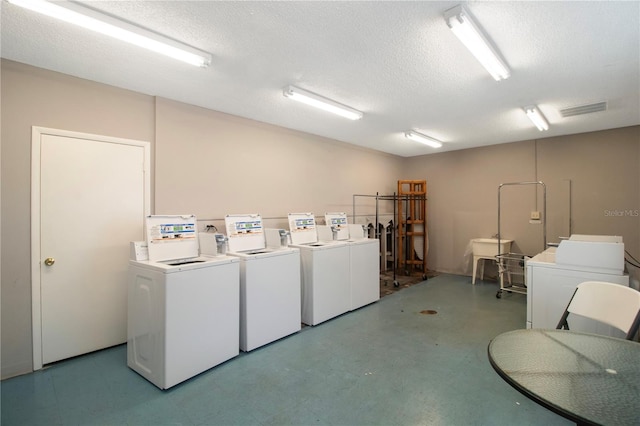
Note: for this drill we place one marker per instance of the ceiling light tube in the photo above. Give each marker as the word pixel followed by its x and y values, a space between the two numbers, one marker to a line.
pixel 90 19
pixel 321 102
pixel 536 117
pixel 424 139
pixel 470 34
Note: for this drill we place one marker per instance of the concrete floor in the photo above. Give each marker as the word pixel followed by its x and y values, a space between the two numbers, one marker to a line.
pixel 416 357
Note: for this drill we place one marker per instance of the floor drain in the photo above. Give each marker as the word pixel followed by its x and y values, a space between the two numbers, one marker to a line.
pixel 428 312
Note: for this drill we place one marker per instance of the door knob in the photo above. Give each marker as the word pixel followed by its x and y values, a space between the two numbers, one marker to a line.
pixel 49 261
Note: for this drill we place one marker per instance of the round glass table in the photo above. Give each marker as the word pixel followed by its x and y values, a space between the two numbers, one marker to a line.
pixel 587 378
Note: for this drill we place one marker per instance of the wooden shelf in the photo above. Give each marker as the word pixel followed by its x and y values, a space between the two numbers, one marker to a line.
pixel 412 211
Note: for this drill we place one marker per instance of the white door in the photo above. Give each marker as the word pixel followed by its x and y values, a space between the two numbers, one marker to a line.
pixel 89 202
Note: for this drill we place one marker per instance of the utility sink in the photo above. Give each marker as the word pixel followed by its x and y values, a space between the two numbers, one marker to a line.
pixel 488 247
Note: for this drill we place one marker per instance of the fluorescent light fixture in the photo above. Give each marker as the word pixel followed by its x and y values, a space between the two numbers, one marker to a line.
pixel 321 102
pixel 536 117
pixel 419 137
pixel 470 34
pixel 90 19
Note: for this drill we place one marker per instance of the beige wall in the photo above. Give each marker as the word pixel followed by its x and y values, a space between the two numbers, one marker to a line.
pixel 207 163
pixel 35 97
pixel 235 165
pixel 588 176
pixel 604 170
pixel 241 166
pixel 462 197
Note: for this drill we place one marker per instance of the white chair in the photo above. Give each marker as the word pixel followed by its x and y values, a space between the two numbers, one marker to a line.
pixel 612 304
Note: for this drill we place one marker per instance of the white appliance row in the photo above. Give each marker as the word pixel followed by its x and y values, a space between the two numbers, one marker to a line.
pixel 188 313
pixel 554 274
pixel 339 273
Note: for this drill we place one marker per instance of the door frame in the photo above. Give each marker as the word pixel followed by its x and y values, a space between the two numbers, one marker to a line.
pixel 36 134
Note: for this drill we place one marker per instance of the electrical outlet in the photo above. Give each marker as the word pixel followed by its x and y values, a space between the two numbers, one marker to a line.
pixel 535 215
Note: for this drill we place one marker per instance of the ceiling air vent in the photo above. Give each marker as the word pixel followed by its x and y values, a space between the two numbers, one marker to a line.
pixel 583 109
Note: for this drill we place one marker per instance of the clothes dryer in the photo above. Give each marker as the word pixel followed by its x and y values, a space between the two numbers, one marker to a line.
pixel 269 283
pixel 324 269
pixel 553 275
pixel 183 309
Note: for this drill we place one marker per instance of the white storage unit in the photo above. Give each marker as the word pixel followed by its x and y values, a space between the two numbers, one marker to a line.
pixel 364 272
pixel 324 271
pixel 553 275
pixel 269 283
pixel 183 310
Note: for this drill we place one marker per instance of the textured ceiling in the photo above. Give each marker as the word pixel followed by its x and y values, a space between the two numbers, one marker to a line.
pixel 396 61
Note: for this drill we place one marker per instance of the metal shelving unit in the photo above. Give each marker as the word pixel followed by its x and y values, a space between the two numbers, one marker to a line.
pixel 406 233
pixel 386 234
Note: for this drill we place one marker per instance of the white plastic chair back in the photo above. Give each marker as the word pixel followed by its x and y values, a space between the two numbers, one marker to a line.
pixel 612 304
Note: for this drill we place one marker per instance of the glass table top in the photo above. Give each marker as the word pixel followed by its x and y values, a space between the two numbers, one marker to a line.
pixel 587 378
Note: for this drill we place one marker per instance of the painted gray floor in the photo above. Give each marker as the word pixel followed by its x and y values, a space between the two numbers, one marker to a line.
pixel 385 364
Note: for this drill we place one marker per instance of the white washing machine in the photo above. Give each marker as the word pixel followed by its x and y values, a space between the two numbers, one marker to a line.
pixel 183 310
pixel 325 271
pixel 364 258
pixel 554 274
pixel 269 283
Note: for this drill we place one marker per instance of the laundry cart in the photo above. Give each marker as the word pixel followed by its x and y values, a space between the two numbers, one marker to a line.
pixel 511 270
pixel 511 266
pixel 324 267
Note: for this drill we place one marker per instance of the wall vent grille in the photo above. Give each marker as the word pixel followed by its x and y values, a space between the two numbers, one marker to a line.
pixel 583 109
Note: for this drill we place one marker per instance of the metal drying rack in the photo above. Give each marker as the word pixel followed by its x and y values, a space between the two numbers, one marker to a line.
pixel 384 233
pixel 513 264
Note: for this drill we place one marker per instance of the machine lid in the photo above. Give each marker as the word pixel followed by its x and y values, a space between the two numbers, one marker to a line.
pixel 174 266
pixel 245 232
pixel 171 237
pixel 603 254
pixel 264 253
pixel 303 228
pixel 338 222
pixel 596 238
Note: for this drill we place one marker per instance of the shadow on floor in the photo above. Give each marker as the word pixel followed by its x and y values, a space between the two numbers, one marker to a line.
pixel 390 283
